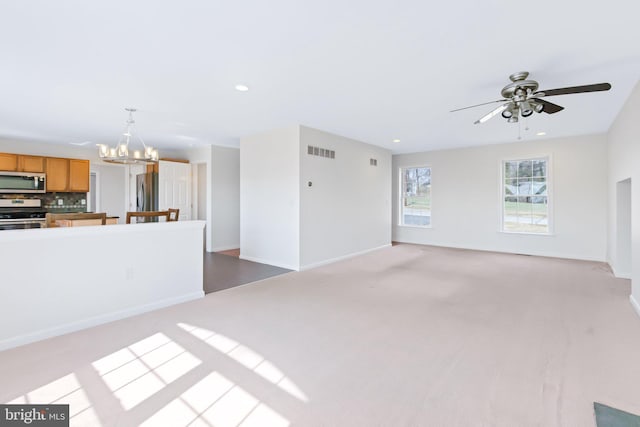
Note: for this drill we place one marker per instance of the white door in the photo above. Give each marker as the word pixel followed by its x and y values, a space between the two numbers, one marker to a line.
pixel 174 190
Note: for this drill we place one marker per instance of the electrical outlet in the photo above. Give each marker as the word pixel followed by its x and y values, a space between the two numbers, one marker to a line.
pixel 60 202
pixel 83 202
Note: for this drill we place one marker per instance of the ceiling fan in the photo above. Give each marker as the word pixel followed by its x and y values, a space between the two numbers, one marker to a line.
pixel 521 97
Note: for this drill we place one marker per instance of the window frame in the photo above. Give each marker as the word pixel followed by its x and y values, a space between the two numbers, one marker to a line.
pixel 401 192
pixel 549 182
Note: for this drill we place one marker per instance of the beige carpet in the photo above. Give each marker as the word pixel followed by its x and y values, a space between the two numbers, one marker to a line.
pixel 408 336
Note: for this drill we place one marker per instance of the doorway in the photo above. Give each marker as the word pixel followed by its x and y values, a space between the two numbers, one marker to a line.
pixel 93 199
pixel 201 197
pixel 623 229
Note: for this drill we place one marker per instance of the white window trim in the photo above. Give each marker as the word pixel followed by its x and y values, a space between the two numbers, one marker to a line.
pixel 401 196
pixel 549 159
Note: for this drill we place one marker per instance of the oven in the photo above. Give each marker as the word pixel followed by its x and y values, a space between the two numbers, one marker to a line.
pixel 21 214
pixel 21 224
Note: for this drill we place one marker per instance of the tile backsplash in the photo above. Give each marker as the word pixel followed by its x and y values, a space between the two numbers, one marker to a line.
pixel 56 202
pixel 65 201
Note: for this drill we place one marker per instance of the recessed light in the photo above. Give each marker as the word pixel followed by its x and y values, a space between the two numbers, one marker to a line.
pixel 242 88
pixel 396 140
pixel 541 133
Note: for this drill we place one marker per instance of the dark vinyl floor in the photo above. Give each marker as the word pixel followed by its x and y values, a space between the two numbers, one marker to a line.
pixel 224 272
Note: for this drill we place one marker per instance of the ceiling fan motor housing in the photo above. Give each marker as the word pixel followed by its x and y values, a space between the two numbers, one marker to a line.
pixel 528 86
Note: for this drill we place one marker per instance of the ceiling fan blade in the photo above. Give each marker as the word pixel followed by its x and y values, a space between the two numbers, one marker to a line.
pixel 575 89
pixel 548 107
pixel 478 105
pixel 492 114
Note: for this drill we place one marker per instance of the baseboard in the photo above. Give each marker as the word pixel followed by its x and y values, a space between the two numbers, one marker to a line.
pixel 540 254
pixel 340 258
pixel 618 274
pixel 95 321
pixel 635 304
pixel 225 248
pixel 269 262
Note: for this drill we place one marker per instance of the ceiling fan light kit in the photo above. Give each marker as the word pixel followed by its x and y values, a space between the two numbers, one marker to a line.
pixel 522 98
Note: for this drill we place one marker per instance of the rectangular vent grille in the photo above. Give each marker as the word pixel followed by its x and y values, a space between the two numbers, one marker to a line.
pixel 321 152
pixel 373 162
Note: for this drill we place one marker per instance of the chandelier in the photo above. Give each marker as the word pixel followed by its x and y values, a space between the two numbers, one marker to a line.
pixel 121 152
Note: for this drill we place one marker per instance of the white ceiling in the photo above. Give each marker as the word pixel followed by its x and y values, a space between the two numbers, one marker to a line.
pixel 368 70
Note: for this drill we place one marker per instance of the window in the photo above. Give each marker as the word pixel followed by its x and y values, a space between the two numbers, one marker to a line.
pixel 525 196
pixel 415 203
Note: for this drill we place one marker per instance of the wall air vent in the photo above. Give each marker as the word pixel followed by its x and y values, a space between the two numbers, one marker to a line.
pixel 373 162
pixel 321 152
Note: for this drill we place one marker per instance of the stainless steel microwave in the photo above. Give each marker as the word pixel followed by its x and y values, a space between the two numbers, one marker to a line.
pixel 22 182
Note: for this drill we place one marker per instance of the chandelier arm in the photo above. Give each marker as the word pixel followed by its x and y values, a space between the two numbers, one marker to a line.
pixel 141 140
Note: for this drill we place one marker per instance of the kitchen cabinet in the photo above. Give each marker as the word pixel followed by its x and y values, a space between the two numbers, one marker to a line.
pixel 57 171
pixel 67 175
pixel 31 164
pixel 79 175
pixel 63 175
pixel 8 162
pixel 20 163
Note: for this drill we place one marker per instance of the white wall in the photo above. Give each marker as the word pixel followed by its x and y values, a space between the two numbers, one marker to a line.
pixel 226 198
pixel 347 210
pixel 88 152
pixel 624 163
pixel 270 198
pixel 86 276
pixel 466 198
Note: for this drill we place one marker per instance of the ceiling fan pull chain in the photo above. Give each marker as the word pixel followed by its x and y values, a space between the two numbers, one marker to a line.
pixel 519 130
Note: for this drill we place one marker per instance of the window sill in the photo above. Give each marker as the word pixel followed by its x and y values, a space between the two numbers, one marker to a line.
pixel 415 226
pixel 528 233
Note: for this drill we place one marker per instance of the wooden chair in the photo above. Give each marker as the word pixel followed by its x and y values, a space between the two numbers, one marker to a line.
pixel 174 214
pixel 148 214
pixel 75 219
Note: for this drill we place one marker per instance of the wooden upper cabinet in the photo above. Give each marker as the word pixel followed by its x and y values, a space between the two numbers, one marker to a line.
pixel 79 175
pixel 8 162
pixel 57 171
pixel 31 164
pixel 63 175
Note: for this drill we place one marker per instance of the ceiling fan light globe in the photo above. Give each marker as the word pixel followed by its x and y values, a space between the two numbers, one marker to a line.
pixel 513 119
pixel 526 112
pixel 507 114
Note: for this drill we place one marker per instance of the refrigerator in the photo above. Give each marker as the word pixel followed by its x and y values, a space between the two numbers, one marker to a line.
pixel 147 193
